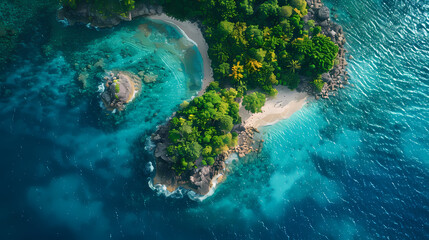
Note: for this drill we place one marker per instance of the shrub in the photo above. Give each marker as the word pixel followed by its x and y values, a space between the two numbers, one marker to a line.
pixel 286 11
pixel 291 80
pixel 319 83
pixel 254 102
pixel 184 104
pixel 210 161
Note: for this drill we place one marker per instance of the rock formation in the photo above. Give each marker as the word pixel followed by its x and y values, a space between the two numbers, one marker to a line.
pixel 120 88
pixel 86 14
pixel 323 13
pixel 337 77
pixel 200 179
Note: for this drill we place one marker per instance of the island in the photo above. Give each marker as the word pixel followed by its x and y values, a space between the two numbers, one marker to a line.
pixel 262 61
pixel 119 89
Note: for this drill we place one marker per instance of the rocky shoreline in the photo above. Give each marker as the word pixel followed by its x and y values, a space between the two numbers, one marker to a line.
pixel 86 14
pixel 337 77
pixel 198 180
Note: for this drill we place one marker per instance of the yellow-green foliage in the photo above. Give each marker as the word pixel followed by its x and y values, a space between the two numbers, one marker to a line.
pixel 318 83
pixel 286 11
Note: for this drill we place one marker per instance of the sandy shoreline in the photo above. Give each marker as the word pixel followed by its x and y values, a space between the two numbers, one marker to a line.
pixel 280 107
pixel 193 32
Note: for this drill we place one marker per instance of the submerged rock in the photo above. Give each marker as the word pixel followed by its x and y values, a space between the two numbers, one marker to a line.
pixel 83 78
pixel 120 89
pixel 150 78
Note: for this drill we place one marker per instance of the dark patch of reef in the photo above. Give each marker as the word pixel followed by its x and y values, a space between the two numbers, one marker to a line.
pixel 19 17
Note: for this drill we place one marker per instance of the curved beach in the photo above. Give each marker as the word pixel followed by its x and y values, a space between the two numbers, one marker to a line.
pixel 192 32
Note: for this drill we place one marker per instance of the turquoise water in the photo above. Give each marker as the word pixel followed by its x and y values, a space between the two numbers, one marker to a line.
pixel 353 167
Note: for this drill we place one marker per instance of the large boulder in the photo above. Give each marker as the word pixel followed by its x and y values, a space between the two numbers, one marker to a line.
pixel 120 89
pixel 201 179
pixel 161 152
pixel 323 13
pixel 324 24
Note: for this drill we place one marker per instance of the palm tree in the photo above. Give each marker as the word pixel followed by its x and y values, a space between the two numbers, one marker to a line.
pixel 236 71
pixel 294 65
pixel 253 65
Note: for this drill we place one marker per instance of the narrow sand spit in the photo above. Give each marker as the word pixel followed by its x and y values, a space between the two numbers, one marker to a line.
pixel 193 32
pixel 275 109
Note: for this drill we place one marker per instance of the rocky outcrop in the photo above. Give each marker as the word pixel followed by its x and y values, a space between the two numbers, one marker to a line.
pixel 246 141
pixel 85 13
pixel 119 89
pixel 323 13
pixel 200 179
pixel 337 77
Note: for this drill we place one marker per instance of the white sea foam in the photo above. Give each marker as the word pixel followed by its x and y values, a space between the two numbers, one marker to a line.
pixel 64 21
pixel 161 190
pixel 149 145
pixel 101 88
pixel 101 104
pixel 149 167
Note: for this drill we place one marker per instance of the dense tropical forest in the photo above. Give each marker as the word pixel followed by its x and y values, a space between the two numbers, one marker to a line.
pixel 202 128
pixel 253 44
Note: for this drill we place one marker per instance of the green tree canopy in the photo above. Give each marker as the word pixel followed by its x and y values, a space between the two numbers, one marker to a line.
pixel 254 102
pixel 225 124
pixel 286 11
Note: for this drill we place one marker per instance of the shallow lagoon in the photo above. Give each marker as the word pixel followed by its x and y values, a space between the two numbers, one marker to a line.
pixel 353 167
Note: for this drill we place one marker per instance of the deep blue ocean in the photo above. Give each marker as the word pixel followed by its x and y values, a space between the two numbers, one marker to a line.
pixel 355 166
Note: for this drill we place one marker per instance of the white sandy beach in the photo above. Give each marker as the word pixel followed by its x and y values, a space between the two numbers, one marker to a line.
pixel 193 32
pixel 280 107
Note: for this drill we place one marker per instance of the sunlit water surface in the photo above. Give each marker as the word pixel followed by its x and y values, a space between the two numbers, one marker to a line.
pixel 352 167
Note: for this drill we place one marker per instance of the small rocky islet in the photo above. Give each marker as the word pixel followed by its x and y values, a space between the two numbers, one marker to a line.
pixel 119 89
